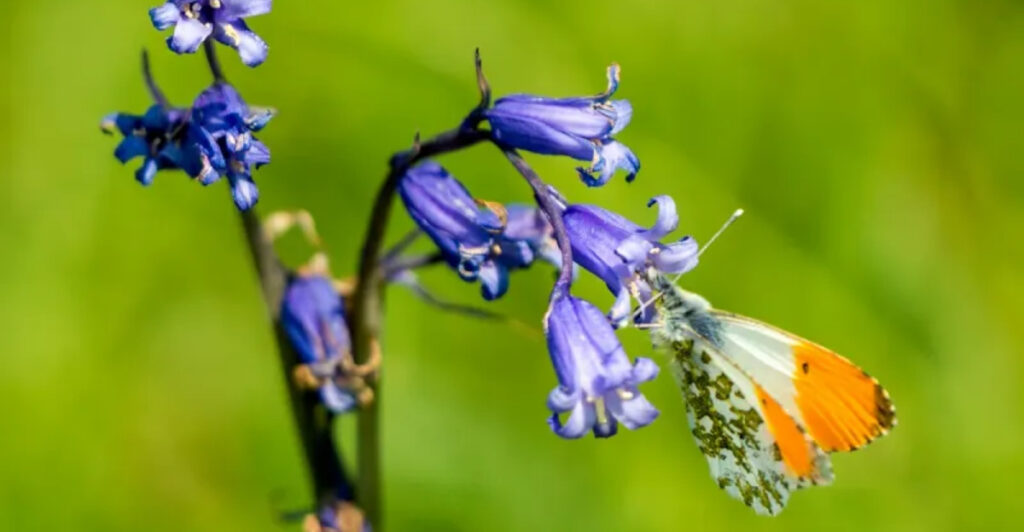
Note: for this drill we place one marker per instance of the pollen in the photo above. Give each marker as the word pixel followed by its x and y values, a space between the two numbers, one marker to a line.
pixel 231 33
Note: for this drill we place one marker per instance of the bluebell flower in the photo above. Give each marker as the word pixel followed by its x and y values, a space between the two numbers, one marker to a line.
pixel 220 136
pixel 468 232
pixel 195 20
pixel 580 128
pixel 313 317
pixel 156 136
pixel 621 252
pixel 597 386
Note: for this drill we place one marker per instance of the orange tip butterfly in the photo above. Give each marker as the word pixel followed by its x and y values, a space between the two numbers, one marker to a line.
pixel 765 406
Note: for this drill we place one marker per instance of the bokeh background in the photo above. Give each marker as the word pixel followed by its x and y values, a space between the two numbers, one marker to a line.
pixel 876 146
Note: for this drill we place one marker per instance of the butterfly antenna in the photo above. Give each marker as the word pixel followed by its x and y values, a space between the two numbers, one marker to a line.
pixel 735 215
pixel 733 218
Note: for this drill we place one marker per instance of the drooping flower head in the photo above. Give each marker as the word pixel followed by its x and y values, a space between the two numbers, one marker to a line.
pixel 195 20
pixel 313 316
pixel 597 386
pixel 221 136
pixel 620 252
pixel 580 128
pixel 468 232
pixel 156 135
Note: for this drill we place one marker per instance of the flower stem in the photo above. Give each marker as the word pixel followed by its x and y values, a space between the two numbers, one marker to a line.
pixel 327 474
pixel 211 59
pixel 367 302
pixel 311 418
pixel 154 90
pixel 551 208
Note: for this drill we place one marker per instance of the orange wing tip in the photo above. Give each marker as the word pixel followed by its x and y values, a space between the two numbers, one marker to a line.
pixel 843 408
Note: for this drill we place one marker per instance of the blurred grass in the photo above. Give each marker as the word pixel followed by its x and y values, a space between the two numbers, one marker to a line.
pixel 875 145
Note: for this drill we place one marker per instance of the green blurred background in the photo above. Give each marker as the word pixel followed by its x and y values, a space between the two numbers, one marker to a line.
pixel 876 146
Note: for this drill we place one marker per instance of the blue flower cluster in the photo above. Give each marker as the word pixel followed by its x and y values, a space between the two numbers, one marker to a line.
pixel 482 240
pixel 214 137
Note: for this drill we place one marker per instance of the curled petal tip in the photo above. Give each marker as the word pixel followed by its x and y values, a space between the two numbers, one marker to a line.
pixel 614 73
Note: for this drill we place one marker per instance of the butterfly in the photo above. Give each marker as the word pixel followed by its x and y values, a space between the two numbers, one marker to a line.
pixel 765 406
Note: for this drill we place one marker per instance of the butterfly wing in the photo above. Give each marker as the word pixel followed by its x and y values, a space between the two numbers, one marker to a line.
pixel 755 451
pixel 840 406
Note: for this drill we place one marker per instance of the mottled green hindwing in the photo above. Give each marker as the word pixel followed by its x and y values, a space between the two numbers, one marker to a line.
pixel 728 426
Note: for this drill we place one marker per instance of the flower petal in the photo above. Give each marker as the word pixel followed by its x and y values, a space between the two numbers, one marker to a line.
pixel 164 16
pixel 131 147
pixel 610 157
pixel 622 113
pixel 244 192
pixel 146 172
pixel 577 117
pixel 337 400
pixel 536 136
pixel 207 146
pixel 634 412
pixel 235 9
pixel 678 257
pixel 621 309
pixel 493 280
pixel 259 118
pixel 258 154
pixel 667 220
pixel 559 400
pixel 251 48
pixel 189 33
pixel 581 419
pixel 634 250
pixel 644 370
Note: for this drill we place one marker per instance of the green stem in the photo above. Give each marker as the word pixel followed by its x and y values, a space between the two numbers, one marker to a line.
pixel 367 303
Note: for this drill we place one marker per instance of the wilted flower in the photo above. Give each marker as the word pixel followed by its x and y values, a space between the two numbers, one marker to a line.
pixel 195 20
pixel 620 251
pixel 468 232
pixel 221 136
pixel 580 128
pixel 313 317
pixel 597 386
pixel 156 135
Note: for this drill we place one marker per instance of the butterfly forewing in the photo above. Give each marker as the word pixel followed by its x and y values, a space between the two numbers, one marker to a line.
pixel 842 407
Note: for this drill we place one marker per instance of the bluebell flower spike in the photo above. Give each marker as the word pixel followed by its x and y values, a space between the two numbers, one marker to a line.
pixel 194 21
pixel 597 385
pixel 621 252
pixel 578 127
